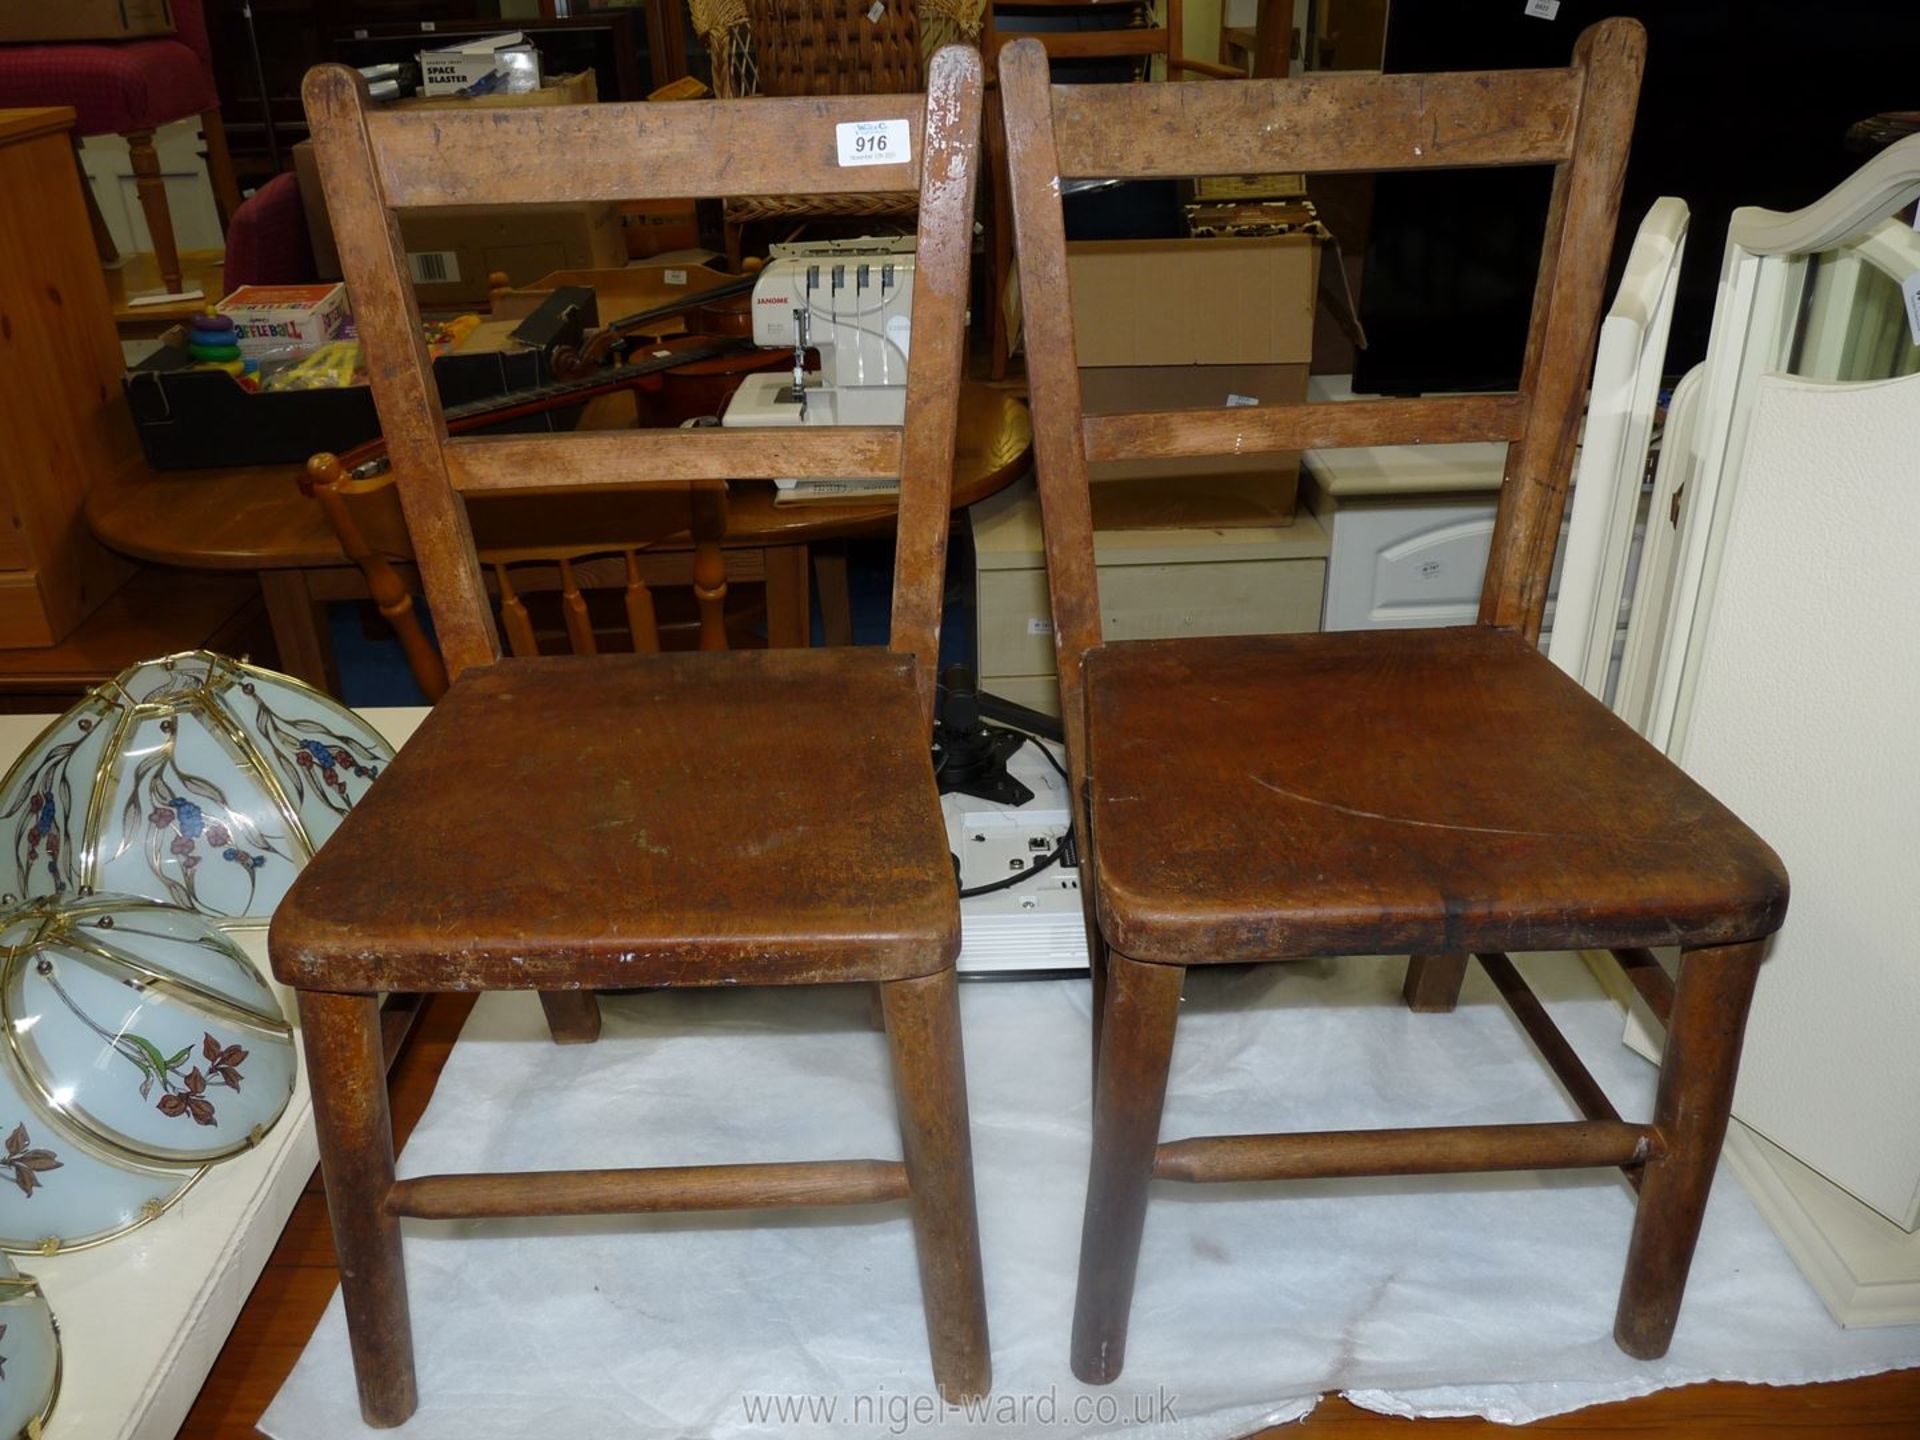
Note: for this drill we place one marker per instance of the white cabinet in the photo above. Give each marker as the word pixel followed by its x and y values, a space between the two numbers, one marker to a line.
pixel 1154 584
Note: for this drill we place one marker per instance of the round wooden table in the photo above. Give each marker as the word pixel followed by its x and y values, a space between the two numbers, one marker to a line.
pixel 255 518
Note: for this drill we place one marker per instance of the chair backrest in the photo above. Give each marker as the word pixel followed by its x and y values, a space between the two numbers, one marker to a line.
pixel 570 550
pixel 1579 120
pixel 373 163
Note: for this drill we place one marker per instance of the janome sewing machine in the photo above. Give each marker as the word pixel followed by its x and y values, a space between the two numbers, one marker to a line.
pixel 850 300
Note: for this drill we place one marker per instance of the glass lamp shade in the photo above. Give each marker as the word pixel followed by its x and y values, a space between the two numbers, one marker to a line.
pixel 29 1355
pixel 141 1045
pixel 193 779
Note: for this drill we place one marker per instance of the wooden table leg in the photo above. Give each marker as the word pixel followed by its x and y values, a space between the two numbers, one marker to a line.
pixel 836 601
pixel 789 602
pixel 299 629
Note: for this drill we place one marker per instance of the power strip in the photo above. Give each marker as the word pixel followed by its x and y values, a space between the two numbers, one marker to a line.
pixel 1035 925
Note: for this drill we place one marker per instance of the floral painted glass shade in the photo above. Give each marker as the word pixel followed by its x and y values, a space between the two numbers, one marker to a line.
pixel 193 779
pixel 29 1354
pixel 141 1046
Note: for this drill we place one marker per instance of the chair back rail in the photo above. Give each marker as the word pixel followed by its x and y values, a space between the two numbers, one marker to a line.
pixel 373 164
pixel 1578 119
pixel 631 151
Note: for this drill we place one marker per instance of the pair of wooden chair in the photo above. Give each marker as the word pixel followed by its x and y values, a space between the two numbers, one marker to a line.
pixel 1240 799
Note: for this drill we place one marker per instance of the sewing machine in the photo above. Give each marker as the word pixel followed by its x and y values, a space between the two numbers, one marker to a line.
pixel 849 300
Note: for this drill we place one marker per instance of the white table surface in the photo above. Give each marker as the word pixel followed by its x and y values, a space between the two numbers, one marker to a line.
pixel 143 1317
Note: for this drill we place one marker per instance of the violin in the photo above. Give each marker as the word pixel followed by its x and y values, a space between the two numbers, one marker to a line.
pixel 674 377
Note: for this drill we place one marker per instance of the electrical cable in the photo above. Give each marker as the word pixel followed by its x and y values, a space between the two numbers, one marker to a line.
pixel 1053 856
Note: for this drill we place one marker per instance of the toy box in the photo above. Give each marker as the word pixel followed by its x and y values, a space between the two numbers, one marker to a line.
pixel 286 319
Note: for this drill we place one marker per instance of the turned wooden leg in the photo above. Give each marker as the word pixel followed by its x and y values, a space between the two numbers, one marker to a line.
pixel 930 1084
pixel 153 201
pixel 347 1072
pixel 1433 982
pixel 1690 1112
pixel 573 1016
pixel 1140 1008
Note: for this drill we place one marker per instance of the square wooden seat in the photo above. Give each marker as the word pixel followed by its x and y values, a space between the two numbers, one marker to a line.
pixel 1256 797
pixel 668 798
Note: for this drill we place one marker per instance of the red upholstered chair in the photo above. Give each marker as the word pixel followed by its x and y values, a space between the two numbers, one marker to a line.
pixel 268 242
pixel 130 88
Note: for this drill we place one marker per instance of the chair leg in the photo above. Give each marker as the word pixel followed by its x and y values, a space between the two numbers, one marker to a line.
pixel 930 1083
pixel 348 1075
pixel 1140 1009
pixel 1690 1112
pixel 103 245
pixel 226 189
pixel 153 201
pixel 573 1016
pixel 1433 982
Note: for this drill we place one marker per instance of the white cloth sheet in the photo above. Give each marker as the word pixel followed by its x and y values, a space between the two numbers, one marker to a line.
pixel 1489 1295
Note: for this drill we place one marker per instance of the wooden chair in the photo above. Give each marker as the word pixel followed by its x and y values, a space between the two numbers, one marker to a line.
pixel 784 48
pixel 531 550
pixel 716 818
pixel 1414 792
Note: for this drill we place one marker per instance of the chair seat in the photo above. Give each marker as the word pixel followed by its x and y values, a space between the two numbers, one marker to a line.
pixel 136 85
pixel 697 819
pixel 1396 792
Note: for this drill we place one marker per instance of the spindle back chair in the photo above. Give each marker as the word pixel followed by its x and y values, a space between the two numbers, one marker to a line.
pixel 627 556
pixel 1423 792
pixel 551 825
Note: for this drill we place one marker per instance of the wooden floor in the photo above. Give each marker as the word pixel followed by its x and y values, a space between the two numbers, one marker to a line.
pixel 300 1277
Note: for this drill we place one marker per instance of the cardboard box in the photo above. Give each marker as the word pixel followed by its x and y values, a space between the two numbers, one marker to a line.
pixel 659 227
pixel 451 252
pixel 579 88
pixel 1194 302
pixel 452 68
pixel 1193 325
pixel 37 20
pixel 1216 491
pixel 286 319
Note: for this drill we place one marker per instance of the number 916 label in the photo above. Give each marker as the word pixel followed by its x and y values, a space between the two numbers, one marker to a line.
pixel 873 142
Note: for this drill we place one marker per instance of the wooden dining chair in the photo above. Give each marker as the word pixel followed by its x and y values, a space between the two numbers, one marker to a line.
pixel 1422 792
pixel 763 817
pixel 531 551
